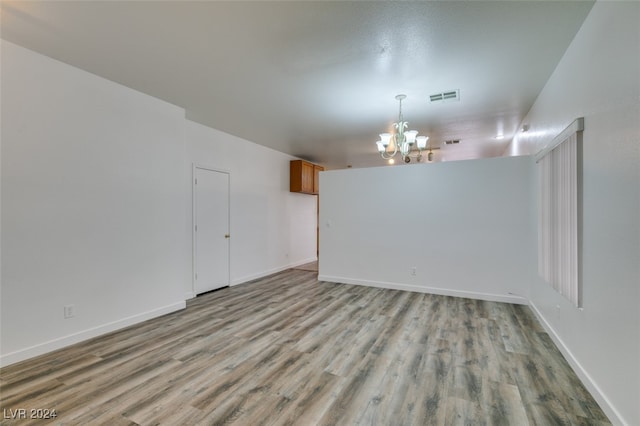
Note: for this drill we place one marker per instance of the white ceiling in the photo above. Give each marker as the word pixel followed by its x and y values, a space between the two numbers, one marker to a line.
pixel 317 79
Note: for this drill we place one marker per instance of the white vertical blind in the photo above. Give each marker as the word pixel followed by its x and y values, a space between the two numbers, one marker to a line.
pixel 558 215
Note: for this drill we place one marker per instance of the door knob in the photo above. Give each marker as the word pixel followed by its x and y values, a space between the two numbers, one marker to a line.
pixel 227 236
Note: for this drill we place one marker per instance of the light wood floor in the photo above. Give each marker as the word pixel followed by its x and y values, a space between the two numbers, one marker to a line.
pixel 288 349
pixel 311 267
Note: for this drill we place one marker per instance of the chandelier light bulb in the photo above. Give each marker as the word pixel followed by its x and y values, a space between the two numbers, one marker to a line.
pixel 422 142
pixel 410 136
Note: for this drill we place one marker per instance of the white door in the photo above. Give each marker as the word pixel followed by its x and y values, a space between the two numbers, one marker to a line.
pixel 211 230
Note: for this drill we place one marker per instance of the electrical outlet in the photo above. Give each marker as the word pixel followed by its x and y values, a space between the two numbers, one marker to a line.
pixel 413 270
pixel 69 311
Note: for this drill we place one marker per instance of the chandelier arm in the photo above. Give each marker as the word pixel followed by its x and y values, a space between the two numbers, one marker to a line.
pixel 386 157
pixel 389 156
pixel 415 153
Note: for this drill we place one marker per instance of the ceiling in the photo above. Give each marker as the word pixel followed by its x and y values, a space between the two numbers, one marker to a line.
pixel 317 79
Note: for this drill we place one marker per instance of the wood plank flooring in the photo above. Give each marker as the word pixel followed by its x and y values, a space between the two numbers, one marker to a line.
pixel 289 350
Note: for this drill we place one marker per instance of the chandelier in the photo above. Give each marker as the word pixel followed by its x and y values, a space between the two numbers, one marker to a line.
pixel 402 141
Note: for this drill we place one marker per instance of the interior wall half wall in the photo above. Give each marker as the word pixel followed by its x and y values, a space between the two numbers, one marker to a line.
pixel 459 228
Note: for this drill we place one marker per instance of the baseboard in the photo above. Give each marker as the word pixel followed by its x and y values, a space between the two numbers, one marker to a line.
pixel 589 383
pixel 506 298
pixel 251 277
pixel 52 345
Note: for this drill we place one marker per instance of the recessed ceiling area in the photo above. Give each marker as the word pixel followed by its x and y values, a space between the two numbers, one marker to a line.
pixel 318 79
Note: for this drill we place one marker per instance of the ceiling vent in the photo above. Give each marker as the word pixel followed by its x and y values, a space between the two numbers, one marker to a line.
pixel 452 141
pixel 451 95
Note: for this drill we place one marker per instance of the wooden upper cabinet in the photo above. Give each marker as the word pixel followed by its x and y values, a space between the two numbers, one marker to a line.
pixel 304 177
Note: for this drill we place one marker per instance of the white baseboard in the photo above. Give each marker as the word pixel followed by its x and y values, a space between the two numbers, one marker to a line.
pixel 507 298
pixel 589 383
pixel 246 278
pixel 52 345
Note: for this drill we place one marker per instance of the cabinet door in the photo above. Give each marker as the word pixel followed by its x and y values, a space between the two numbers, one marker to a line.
pixel 307 177
pixel 316 178
pixel 301 177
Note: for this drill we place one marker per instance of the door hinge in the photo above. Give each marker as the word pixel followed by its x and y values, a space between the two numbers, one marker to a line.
pixel 196 228
pixel 196 276
pixel 196 181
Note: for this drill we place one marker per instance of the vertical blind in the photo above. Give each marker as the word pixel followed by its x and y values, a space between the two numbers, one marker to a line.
pixel 559 171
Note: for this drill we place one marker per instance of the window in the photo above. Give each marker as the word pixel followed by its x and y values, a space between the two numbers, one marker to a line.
pixel 559 212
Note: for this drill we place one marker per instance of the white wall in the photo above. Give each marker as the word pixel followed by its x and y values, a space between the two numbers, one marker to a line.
pixel 464 225
pixel 271 228
pixel 94 207
pixel 599 79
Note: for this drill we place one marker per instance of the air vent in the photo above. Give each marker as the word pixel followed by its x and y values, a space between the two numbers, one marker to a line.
pixel 451 95
pixel 452 141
